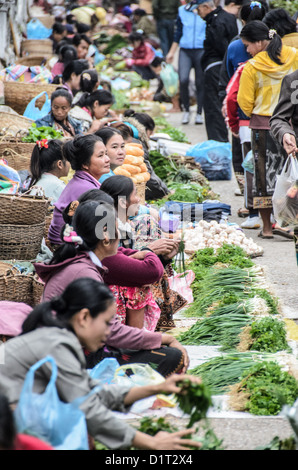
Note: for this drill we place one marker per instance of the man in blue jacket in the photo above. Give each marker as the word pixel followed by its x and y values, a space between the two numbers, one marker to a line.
pixel 189 36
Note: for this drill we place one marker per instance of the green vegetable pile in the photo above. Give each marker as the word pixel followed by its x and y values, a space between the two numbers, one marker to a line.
pixel 268 388
pixel 117 41
pixel 290 5
pixel 194 400
pixel 268 335
pixel 39 133
pixel 176 134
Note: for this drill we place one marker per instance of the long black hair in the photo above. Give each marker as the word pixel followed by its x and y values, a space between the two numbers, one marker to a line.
pixel 44 159
pixel 252 11
pixel 92 221
pixel 143 118
pixel 90 195
pixel 118 186
pixel 255 31
pixel 280 20
pixel 76 66
pixel 58 312
pixel 89 78
pixel 79 150
pixel 102 96
pixel 106 133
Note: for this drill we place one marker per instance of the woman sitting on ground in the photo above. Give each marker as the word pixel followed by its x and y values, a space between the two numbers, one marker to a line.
pixel 91 108
pixel 47 166
pixel 81 317
pixel 88 251
pixel 88 159
pixel 58 117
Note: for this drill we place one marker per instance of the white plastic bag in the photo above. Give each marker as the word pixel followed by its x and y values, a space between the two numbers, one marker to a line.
pixel 285 197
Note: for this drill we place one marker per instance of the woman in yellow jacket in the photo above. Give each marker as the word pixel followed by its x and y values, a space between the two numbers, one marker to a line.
pixel 257 97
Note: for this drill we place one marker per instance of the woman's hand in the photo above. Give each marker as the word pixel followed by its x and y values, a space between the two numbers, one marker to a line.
pixel 172 342
pixel 165 247
pixel 170 384
pixel 140 254
pixel 289 143
pixel 165 440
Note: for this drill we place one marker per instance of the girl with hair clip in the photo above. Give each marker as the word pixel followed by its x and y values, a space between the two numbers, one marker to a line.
pixel 58 117
pixel 88 160
pixel 285 26
pixel 47 166
pixel 71 75
pixel 91 249
pixel 80 317
pixel 258 94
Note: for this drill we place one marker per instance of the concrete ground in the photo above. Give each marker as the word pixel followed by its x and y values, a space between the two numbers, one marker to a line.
pixel 242 431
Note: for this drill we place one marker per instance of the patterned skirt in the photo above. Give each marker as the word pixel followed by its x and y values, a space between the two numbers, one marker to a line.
pixel 269 159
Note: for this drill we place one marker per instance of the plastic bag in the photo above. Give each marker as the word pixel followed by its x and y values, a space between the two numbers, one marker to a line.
pixel 62 425
pixel 181 283
pixel 37 30
pixel 248 162
pixel 170 79
pixel 215 159
pixel 34 113
pixel 285 197
pixel 137 374
pixel 9 179
pixel 105 370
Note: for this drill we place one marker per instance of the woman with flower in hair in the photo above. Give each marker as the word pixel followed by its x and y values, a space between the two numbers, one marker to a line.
pixel 258 94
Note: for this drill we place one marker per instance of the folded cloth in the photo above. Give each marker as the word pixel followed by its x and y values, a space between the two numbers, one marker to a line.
pixel 12 316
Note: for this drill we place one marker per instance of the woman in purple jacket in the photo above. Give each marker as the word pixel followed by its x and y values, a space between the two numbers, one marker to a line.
pixel 91 244
pixel 87 157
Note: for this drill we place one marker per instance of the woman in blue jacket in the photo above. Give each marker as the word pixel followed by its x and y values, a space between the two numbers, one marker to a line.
pixel 189 36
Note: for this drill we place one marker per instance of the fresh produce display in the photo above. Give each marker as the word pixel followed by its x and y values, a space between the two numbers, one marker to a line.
pixel 176 134
pixel 264 389
pixel 267 335
pixel 134 165
pixel 194 400
pixel 212 234
pixel 40 133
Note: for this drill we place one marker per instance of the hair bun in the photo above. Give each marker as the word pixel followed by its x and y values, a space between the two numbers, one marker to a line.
pixel 58 304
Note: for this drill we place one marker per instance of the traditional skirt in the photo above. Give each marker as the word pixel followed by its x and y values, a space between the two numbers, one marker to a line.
pixel 269 159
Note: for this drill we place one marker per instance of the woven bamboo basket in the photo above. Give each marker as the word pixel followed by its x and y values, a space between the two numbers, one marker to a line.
pixel 37 46
pixel 37 291
pixel 46 20
pixel 17 154
pixel 32 60
pixel 141 189
pixel 14 286
pixel 13 123
pixel 49 218
pixel 18 95
pixel 21 242
pixel 23 209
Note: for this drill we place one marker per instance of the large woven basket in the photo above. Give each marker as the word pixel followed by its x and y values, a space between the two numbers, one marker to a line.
pixel 20 242
pixel 141 190
pixel 37 46
pixel 23 209
pixel 18 95
pixel 46 20
pixel 16 153
pixel 15 287
pixel 13 123
pixel 32 60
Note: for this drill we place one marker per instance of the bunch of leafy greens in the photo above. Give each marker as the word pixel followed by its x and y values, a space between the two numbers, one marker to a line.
pixel 162 125
pixel 43 132
pixel 269 335
pixel 194 399
pixel 268 389
pixel 280 444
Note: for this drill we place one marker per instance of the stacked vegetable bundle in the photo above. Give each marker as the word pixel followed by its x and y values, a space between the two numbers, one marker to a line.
pixel 134 165
pixel 236 312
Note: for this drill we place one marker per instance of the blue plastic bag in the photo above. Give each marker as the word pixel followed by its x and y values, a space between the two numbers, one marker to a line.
pixel 37 30
pixel 104 370
pixel 34 113
pixel 170 79
pixel 215 159
pixel 248 162
pixel 62 425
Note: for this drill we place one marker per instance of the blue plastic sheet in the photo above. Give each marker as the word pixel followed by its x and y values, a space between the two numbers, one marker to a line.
pixel 215 159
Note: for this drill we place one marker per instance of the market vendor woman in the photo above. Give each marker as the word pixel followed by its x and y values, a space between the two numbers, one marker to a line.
pixel 58 117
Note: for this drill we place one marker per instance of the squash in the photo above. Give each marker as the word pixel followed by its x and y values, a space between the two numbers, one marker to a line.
pixel 133 150
pixel 121 171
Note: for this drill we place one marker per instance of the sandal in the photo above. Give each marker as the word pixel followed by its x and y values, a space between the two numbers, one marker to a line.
pixel 283 233
pixel 265 237
pixel 243 212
